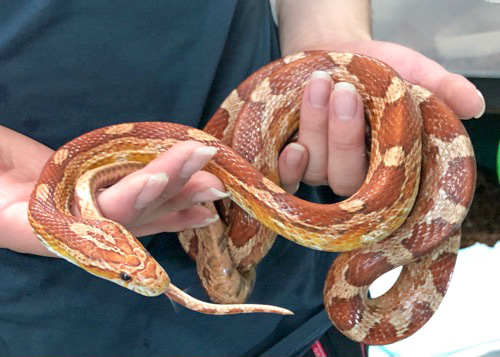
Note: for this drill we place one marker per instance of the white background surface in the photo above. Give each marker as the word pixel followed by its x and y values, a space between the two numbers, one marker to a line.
pixel 469 315
pixel 464 36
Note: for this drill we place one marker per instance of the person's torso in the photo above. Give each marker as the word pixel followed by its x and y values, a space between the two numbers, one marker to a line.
pixel 67 67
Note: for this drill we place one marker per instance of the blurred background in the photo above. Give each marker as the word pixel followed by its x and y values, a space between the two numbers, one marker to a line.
pixel 463 36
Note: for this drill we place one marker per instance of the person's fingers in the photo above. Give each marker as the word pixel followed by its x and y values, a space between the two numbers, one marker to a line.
pixel 160 180
pixel 347 164
pixel 292 165
pixel 455 90
pixel 461 96
pixel 201 187
pixel 194 217
pixel 313 126
pixel 180 163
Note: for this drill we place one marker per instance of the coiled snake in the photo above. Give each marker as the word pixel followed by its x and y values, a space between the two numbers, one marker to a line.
pixel 380 227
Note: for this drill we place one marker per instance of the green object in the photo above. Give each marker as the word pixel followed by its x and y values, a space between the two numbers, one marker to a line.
pixel 498 161
pixel 485 136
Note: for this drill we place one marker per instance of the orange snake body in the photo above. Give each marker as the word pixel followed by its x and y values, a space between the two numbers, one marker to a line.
pixel 379 227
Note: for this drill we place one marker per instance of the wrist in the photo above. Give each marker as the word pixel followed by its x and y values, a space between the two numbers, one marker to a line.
pixel 321 24
pixel 325 41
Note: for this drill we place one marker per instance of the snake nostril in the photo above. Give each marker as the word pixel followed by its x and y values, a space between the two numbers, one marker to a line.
pixel 125 277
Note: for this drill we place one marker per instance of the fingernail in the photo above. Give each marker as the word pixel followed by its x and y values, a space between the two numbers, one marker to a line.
pixel 345 100
pixel 206 222
pixel 319 90
pixel 294 155
pixel 483 109
pixel 212 194
pixel 151 190
pixel 292 189
pixel 197 160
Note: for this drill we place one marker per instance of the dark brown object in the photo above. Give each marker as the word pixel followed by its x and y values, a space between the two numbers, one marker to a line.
pixel 482 224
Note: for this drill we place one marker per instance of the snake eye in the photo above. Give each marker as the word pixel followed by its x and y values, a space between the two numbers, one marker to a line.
pixel 125 277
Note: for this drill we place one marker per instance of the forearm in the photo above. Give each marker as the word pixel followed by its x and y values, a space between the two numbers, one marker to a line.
pixel 314 24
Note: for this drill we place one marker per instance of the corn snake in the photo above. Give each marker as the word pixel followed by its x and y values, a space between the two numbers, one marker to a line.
pixel 256 120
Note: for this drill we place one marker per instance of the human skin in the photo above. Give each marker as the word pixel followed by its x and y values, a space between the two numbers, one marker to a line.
pixel 162 197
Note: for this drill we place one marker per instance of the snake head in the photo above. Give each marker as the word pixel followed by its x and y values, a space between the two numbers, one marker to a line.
pixel 106 249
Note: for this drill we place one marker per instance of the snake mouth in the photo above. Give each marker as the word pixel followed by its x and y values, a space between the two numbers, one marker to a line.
pixel 145 287
pixel 150 281
pixel 147 290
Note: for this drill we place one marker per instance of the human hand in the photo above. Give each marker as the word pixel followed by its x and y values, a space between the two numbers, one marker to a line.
pixel 162 205
pixel 331 150
pixel 165 195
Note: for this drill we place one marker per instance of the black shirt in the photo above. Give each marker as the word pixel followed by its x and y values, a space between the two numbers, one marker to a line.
pixel 67 67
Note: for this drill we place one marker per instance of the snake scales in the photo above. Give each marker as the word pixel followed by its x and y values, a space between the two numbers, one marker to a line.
pixel 408 211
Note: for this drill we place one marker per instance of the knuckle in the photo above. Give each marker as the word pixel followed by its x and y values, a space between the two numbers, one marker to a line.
pixel 347 145
pixel 313 123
